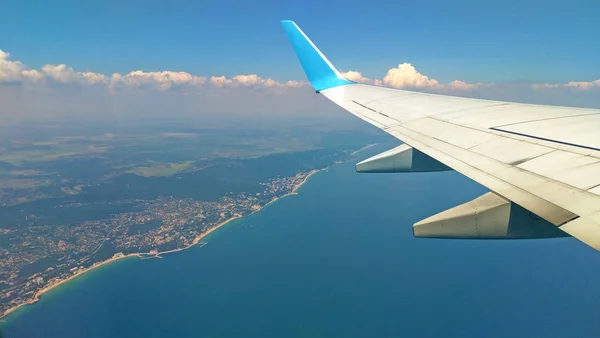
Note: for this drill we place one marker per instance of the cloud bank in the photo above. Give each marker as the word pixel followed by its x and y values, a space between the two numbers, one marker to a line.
pixel 404 76
pixel 15 72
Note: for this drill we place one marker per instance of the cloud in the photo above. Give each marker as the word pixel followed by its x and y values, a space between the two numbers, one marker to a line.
pixel 158 80
pixel 406 76
pixel 357 77
pixel 15 71
pixel 220 81
pixel 32 75
pixel 583 85
pixel 295 84
pixel 461 85
pixel 545 86
pixel 574 85
pixel 10 71
pixel 63 74
pixel 251 80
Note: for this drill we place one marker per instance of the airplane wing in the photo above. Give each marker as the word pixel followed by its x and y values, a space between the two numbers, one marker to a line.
pixel 541 163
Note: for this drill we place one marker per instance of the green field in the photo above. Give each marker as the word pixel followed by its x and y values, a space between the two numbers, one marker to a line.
pixel 161 170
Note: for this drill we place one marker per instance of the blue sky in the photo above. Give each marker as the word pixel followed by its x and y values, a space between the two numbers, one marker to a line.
pixel 500 41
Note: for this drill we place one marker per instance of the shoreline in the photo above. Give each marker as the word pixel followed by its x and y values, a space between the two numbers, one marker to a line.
pixel 143 255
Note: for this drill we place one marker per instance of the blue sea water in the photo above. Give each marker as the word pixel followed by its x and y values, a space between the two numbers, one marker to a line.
pixel 337 260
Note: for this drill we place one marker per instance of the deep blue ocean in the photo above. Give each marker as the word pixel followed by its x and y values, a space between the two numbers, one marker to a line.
pixel 337 260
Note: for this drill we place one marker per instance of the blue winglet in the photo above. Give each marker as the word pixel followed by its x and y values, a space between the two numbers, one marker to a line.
pixel 320 72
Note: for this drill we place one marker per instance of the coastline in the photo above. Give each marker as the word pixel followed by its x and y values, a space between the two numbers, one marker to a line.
pixel 310 173
pixel 49 287
pixel 143 255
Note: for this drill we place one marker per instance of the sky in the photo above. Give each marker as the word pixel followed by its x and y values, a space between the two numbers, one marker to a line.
pixel 532 51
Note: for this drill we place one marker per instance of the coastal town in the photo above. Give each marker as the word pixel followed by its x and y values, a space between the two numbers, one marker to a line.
pixel 39 259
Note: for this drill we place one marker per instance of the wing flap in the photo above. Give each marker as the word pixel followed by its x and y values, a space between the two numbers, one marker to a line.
pixel 576 170
pixel 450 133
pixel 580 131
pixel 487 217
pixel 568 198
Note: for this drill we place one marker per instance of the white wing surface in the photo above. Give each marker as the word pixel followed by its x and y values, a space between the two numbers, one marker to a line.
pixel 537 160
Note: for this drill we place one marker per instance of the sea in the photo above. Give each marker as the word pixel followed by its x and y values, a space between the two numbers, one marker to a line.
pixel 336 260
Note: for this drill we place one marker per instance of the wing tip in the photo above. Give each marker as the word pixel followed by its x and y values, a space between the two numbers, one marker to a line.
pixel 320 72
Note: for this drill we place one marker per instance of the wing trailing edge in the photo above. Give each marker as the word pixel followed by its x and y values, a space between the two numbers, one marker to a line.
pixel 489 216
pixel 403 158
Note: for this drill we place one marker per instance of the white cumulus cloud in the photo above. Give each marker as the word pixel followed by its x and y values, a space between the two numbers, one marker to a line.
pixel 16 71
pixel 9 70
pixel 251 80
pixel 406 76
pixel 220 81
pixel 62 73
pixel 357 77
pixel 248 80
pixel 158 80
pixel 461 85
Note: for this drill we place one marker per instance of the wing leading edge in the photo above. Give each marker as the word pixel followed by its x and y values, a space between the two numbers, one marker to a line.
pixel 542 163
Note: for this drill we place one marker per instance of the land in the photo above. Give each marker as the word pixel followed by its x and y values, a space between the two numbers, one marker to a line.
pixel 141 196
pixel 160 169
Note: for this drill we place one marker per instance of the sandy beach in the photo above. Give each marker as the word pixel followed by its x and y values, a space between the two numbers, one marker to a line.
pixel 49 287
pixel 117 257
pixel 312 172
